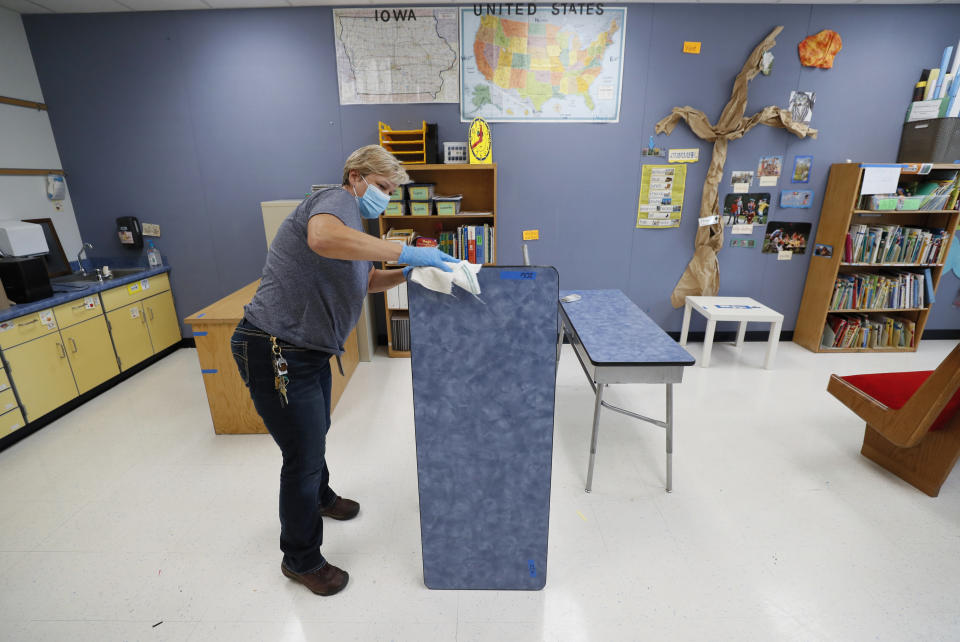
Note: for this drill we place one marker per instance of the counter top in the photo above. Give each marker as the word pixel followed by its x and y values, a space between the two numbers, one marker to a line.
pixel 64 292
pixel 229 309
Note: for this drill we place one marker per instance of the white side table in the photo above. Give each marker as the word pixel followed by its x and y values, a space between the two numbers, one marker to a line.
pixel 731 308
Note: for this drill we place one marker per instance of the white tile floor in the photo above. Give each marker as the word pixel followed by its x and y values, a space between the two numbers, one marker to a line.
pixel 130 511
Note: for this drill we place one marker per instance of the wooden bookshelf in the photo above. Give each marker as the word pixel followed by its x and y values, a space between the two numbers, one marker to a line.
pixel 839 212
pixel 477 184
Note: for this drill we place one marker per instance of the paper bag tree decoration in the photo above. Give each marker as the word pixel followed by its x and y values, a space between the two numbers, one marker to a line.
pixel 702 276
pixel 820 49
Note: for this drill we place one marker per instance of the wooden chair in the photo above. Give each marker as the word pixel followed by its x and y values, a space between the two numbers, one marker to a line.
pixel 913 420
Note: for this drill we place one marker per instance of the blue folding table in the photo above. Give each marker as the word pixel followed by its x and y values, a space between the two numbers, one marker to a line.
pixel 617 343
pixel 484 382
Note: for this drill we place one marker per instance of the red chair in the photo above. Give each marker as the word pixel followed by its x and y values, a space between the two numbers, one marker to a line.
pixel 913 423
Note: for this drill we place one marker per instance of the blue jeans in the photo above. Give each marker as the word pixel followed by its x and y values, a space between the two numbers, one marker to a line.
pixel 300 430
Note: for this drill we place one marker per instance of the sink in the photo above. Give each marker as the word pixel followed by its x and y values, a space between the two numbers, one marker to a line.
pixel 91 277
pixel 126 271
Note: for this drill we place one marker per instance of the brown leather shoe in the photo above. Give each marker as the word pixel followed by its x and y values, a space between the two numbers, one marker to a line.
pixel 342 509
pixel 326 580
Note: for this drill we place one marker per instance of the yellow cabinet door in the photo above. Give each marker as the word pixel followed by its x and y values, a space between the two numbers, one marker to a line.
pixel 128 327
pixel 41 372
pixel 91 353
pixel 162 321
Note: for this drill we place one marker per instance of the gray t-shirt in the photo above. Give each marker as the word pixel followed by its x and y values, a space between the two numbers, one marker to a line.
pixel 304 298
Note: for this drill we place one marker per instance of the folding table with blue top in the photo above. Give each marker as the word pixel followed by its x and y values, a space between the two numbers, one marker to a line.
pixel 484 382
pixel 617 343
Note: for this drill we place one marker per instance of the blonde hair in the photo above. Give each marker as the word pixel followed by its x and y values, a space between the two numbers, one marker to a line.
pixel 374 159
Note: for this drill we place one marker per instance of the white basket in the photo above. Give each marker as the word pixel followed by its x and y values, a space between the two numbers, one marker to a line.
pixel 455 153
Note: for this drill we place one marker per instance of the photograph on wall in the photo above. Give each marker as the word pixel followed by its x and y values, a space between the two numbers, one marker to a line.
pixel 801 105
pixel 749 208
pixel 801 169
pixel 741 180
pixel 821 249
pixel 769 169
pixel 798 198
pixel 782 235
pixel 743 243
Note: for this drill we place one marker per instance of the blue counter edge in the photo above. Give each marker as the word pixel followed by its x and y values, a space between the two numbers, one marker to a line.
pixel 21 309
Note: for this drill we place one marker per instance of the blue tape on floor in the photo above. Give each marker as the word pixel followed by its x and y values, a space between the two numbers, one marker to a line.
pixel 211 371
pixel 202 314
pixel 199 334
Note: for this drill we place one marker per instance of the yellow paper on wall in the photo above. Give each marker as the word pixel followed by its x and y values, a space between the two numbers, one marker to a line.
pixel 531 235
pixel 691 47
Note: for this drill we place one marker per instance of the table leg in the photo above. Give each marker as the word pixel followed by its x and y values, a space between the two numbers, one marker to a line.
pixel 559 340
pixel 741 333
pixel 708 343
pixel 596 430
pixel 772 343
pixel 669 423
pixel 684 329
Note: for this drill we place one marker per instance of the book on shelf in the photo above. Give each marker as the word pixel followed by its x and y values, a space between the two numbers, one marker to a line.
pixel 881 291
pixel 474 243
pixel 845 331
pixel 895 244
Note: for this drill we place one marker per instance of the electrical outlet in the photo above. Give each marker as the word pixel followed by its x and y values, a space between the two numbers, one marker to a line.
pixel 149 229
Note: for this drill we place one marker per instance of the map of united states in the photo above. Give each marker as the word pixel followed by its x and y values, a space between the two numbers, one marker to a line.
pixel 539 61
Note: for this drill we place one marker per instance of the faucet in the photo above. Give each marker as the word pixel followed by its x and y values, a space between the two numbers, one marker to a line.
pixel 83 251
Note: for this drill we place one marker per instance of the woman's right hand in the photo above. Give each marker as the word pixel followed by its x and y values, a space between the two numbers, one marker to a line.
pixel 426 257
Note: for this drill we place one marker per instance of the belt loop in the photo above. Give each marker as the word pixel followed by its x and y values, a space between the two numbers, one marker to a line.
pixel 340 365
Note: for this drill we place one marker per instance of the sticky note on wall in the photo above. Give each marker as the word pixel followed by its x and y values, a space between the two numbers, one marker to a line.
pixel 691 47
pixel 531 235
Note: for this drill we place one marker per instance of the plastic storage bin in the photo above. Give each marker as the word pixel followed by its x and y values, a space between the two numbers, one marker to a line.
pixel 447 205
pixel 421 208
pixel 395 208
pixel 930 141
pixel 420 191
pixel 882 202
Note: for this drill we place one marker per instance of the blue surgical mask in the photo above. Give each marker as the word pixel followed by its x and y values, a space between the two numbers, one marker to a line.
pixel 373 202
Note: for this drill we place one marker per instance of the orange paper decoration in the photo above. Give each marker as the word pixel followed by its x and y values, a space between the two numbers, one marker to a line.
pixel 819 50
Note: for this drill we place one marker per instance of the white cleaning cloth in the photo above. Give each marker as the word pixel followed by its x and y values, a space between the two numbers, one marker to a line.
pixel 462 274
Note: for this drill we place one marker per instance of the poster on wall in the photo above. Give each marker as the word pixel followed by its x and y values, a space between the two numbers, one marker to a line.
pixel 801 169
pixel 397 55
pixel 541 64
pixel 661 196
pixel 768 170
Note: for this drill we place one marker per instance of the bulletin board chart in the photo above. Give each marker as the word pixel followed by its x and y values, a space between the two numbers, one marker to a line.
pixel 661 196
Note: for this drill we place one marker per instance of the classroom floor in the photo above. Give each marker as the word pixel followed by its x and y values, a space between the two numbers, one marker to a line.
pixel 129 519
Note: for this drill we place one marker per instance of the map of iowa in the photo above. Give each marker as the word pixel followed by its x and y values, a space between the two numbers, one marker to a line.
pixel 540 61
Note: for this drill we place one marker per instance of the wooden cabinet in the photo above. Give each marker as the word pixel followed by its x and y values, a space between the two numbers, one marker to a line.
pixel 841 209
pixel 478 186
pixel 162 321
pixel 143 320
pixel 231 408
pixel 131 338
pixel 41 371
pixel 90 352
pixel 10 421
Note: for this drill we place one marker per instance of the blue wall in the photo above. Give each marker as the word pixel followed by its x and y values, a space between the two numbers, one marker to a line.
pixel 190 119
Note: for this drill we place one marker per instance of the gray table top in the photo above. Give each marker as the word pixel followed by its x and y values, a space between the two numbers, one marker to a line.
pixel 615 332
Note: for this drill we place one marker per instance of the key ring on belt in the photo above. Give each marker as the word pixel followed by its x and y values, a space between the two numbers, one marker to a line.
pixel 280 378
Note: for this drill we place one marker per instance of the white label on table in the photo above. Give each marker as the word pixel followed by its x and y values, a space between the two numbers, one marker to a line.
pixel 784 255
pixel 90 302
pixel 134 312
pixel 145 284
pixel 745 228
pixel 6 325
pixel 708 220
